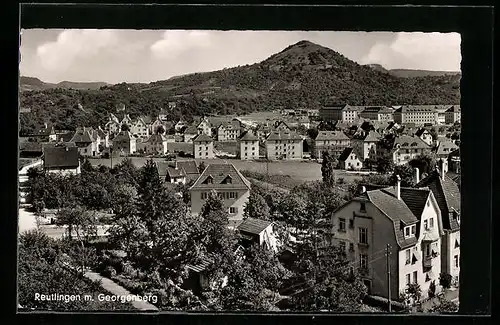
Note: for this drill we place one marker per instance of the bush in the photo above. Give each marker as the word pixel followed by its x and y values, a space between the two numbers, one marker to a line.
pixel 445 280
pixel 432 290
pixel 134 286
pixel 109 272
pixel 340 180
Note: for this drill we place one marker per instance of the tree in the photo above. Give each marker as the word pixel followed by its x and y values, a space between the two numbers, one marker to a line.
pixel 425 163
pixel 327 167
pixel 256 207
pixel 78 221
pixel 160 129
pixel 87 166
pixel 385 164
pixel 201 167
pixel 444 306
pixel 124 127
pixel 126 172
pixel 406 173
pixel 434 134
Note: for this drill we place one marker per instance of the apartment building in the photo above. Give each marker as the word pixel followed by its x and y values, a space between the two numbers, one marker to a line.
pixel 248 146
pixel 284 145
pixel 366 144
pixel 229 131
pixel 332 141
pixel 344 113
pixel 406 148
pixel 230 185
pixel 418 114
pixel 453 115
pixel 404 221
pixel 425 135
pixel 205 127
pixel 203 147
pixel 377 113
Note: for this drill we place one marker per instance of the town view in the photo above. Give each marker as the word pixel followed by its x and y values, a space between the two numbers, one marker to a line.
pixel 307 176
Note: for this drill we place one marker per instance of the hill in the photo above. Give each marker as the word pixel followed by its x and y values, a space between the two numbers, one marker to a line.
pixel 408 73
pixel 31 83
pixel 303 75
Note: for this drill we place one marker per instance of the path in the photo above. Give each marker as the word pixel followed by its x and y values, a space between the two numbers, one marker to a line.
pixel 27 220
pixel 116 289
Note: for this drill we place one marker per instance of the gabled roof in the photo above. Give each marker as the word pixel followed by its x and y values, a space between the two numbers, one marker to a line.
pixel 189 166
pixel 331 136
pixel 230 125
pixel 415 199
pixel 175 172
pixel 219 173
pixel 283 135
pixel 66 137
pixel 420 131
pixel 410 142
pixel 417 108
pixel 453 109
pixel 44 130
pixel 445 148
pixel 345 154
pixel 156 138
pixel 248 136
pixel 254 226
pixel 204 120
pixel 162 166
pixel 60 157
pixel 31 146
pixel 191 130
pixel 447 194
pixel 82 137
pixel 124 135
pixel 372 136
pixel 202 138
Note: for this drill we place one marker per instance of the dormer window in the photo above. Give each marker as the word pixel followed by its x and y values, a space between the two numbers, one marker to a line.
pixel 410 231
pixel 209 180
pixel 227 180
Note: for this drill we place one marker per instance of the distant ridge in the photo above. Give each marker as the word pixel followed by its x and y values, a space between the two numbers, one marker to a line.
pixel 31 83
pixel 412 73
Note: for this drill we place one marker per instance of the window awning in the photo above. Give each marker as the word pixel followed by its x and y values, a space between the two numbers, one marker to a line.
pixel 430 237
pixel 415 257
pixel 429 275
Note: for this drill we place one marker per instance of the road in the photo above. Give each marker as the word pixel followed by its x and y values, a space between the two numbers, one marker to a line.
pixel 27 220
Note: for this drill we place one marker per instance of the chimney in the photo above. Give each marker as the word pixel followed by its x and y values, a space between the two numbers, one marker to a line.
pixel 398 187
pixel 363 189
pixel 417 175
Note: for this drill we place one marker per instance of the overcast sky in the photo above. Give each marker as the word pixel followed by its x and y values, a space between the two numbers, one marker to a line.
pixel 148 55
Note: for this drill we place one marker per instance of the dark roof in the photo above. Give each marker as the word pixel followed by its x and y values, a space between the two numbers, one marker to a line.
pixel 248 136
pixel 31 146
pixel 60 157
pixel 233 124
pixel 124 135
pixel 162 166
pixel 83 137
pixel 202 138
pixel 175 172
pixel 191 130
pixel 254 226
pixel 453 109
pixel 189 166
pixel 219 174
pixel 420 132
pixel 283 135
pixel 408 142
pixel 331 135
pixel 200 267
pixel 447 194
pixel 345 154
pixel 417 108
pixel 44 130
pixel 156 138
pixel 415 199
pixel 372 136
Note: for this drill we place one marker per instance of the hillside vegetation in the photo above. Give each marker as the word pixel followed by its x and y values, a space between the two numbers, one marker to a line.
pixel 304 75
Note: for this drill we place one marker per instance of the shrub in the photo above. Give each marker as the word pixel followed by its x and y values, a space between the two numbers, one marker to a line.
pixel 432 290
pixel 340 180
pixel 109 272
pixel 445 280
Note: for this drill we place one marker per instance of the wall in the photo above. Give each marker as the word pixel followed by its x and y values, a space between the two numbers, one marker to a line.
pixel 243 196
pixel 204 150
pixel 252 151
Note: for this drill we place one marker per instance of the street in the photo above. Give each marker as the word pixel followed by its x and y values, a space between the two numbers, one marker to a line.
pixel 27 220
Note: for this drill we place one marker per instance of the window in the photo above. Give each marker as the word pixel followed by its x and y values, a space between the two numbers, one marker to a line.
pixel 233 210
pixel 407 231
pixel 427 250
pixel 206 153
pixel 408 278
pixel 363 261
pixel 363 236
pixel 457 244
pixel 413 230
pixel 203 195
pixel 415 279
pixel 426 226
pixel 408 256
pixel 457 261
pixel 431 222
pixel 342 224
pixel 351 247
pixel 351 223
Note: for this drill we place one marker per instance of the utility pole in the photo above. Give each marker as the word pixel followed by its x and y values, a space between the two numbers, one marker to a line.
pixel 388 254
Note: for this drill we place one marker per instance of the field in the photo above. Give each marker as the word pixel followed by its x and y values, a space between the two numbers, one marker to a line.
pixel 298 170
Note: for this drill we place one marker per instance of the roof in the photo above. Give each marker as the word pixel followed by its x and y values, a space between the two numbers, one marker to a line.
pixel 44 130
pixel 416 108
pixel 162 166
pixel 254 226
pixel 60 157
pixel 447 194
pixel 219 173
pixel 445 148
pixel 453 109
pixel 233 124
pixel 415 199
pixel 82 136
pixel 372 136
pixel 248 136
pixel 345 107
pixel 277 135
pixel 191 130
pixel 123 135
pixel 189 166
pixel 420 131
pixel 331 136
pixel 410 142
pixel 156 138
pixel 202 138
pixel 175 172
pixel 345 154
pixel 200 267
pixel 31 146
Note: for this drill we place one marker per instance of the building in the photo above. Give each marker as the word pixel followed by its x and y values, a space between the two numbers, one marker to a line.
pixel 447 193
pixel 258 231
pixel 190 133
pixel 103 139
pixel 189 167
pixel 332 141
pixel 248 146
pixel 454 161
pixel 443 151
pixel 125 143
pixel 453 115
pixel 377 113
pixel 406 148
pixel 44 133
pixel 140 128
pixel 180 125
pixel 85 142
pixel 425 135
pixel 366 145
pixel 441 114
pixel 281 126
pixel 405 221
pixel 344 113
pixel 284 145
pixel 230 185
pixel 204 127
pixel 156 144
pixel 350 159
pixel 229 131
pixel 113 125
pixel 203 147
pixel 171 173
pixel 63 160
pixel 418 114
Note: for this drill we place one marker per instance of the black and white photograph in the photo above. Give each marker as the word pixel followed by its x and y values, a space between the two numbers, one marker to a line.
pixel 239 170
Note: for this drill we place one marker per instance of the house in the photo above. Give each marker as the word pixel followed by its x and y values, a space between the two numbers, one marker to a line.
pixel 263 131
pixel 228 182
pixel 31 149
pixel 453 115
pixel 281 126
pixel 63 160
pixel 248 146
pixel 203 147
pixel 425 135
pixel 366 145
pixel 258 231
pixel 345 113
pixel 454 161
pixel 377 113
pixel 85 142
pixel 103 138
pixel 350 159
pixel 190 133
pixel 171 173
pixel 440 114
pixel 405 221
pixel 113 125
pixel 406 148
pixel 156 144
pixel 127 120
pixel 332 141
pixel 204 127
pixel 155 125
pixel 229 131
pixel 443 152
pixel 125 143
pixel 44 133
pixel 284 145
pixel 189 167
pixel 305 121
pixel 180 125
pixel 163 115
pixel 139 128
pixel 418 114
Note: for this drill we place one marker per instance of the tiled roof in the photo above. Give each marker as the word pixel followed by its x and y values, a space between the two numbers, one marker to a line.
pixel 345 154
pixel 331 136
pixel 453 109
pixel 445 148
pixel 200 267
pixel 372 136
pixel 278 135
pixel 420 131
pixel 84 137
pixel 124 135
pixel 60 157
pixel 409 142
pixel 345 107
pixel 219 173
pixel 162 166
pixel 415 199
pixel 175 172
pixel 202 138
pixel 191 130
pixel 248 136
pixel 31 146
pixel 189 166
pixel 386 110
pixel 157 138
pixel 254 226
pixel 416 108
pixel 447 194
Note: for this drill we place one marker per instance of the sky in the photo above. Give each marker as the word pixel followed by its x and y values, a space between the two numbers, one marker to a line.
pixel 115 56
